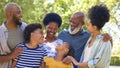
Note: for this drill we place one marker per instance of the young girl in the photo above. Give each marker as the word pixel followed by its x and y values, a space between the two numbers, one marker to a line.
pixel 33 49
pixel 97 54
pixel 62 51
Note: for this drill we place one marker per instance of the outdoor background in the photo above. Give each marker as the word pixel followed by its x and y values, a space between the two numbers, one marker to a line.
pixel 35 10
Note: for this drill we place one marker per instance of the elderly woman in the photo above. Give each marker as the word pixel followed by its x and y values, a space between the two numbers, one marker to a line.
pixel 52 23
pixel 33 49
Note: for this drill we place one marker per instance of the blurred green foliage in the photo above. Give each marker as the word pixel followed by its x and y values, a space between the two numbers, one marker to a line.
pixel 115 61
pixel 35 10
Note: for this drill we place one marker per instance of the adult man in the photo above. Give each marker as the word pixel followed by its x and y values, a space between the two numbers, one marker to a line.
pixel 11 33
pixel 76 36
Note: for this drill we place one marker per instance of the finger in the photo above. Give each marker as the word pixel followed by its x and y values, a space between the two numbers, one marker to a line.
pixel 19 49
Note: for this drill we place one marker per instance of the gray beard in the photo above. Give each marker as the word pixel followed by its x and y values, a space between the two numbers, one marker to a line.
pixel 74 31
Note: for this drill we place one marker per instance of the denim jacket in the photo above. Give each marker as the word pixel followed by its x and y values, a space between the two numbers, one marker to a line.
pixel 100 53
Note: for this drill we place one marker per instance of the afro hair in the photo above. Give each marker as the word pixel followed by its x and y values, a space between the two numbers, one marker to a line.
pixel 52 17
pixel 99 15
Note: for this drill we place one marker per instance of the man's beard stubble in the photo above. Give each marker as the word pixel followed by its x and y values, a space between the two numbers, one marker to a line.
pixel 16 21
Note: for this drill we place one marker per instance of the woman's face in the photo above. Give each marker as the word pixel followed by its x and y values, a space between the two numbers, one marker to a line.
pixel 51 29
pixel 90 28
pixel 37 36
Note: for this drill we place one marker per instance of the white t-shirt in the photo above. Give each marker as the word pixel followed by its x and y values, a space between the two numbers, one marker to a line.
pixel 87 53
pixel 50 47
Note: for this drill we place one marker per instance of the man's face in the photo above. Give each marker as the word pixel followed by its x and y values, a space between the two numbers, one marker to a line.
pixel 76 24
pixel 17 15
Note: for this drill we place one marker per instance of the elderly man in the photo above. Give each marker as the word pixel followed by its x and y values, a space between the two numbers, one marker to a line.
pixel 76 36
pixel 11 33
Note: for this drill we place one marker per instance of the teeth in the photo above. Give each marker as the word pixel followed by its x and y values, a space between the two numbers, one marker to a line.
pixel 51 33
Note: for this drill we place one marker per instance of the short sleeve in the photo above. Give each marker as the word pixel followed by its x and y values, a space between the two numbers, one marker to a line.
pixel 19 45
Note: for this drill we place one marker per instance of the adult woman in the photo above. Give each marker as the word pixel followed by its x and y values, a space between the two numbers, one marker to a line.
pixel 52 23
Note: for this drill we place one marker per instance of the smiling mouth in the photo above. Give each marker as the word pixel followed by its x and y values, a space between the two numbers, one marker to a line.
pixel 51 33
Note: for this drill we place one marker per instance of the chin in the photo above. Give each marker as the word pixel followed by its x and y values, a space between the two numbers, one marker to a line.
pixel 89 32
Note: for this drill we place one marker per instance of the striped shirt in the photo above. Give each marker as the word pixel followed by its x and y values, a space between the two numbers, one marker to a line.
pixel 30 57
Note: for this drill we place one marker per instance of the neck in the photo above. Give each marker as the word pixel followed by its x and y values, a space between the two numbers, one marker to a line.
pixel 96 33
pixel 79 31
pixel 50 39
pixel 32 44
pixel 59 57
pixel 11 24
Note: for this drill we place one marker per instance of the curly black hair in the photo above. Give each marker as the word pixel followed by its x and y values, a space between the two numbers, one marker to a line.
pixel 52 17
pixel 99 15
pixel 29 29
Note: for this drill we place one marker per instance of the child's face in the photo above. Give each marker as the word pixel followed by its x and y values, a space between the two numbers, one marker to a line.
pixel 63 48
pixel 37 36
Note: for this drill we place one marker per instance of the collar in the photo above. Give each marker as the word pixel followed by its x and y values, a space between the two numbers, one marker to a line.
pixel 23 25
pixel 4 27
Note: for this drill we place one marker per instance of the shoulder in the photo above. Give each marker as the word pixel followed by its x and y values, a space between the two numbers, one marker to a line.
pixel 1 29
pixel 47 60
pixel 106 44
pixel 22 44
pixel 24 24
pixel 64 31
pixel 59 41
pixel 43 46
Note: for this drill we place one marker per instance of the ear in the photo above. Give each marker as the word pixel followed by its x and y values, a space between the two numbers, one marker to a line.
pixel 94 27
pixel 31 34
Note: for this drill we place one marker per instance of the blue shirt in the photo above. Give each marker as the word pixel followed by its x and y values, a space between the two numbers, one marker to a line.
pixel 30 57
pixel 77 41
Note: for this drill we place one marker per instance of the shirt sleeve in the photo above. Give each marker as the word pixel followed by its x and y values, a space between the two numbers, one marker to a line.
pixel 19 45
pixel 102 57
pixel 45 52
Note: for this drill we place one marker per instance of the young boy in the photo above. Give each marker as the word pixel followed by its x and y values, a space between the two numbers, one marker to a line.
pixel 34 51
